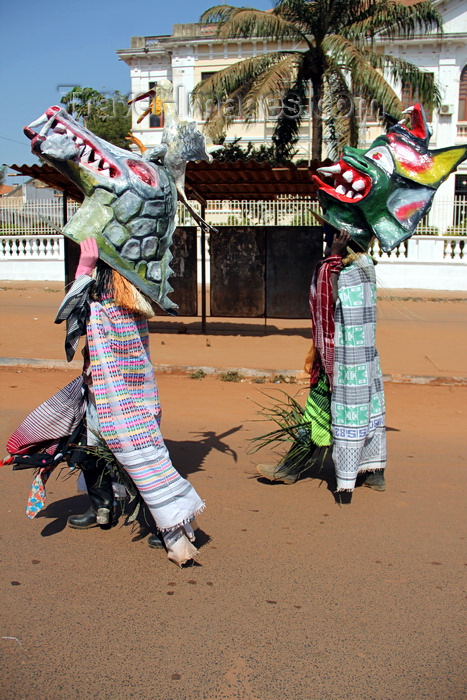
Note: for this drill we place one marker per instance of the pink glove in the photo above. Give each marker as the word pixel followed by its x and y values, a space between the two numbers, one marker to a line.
pixel 88 257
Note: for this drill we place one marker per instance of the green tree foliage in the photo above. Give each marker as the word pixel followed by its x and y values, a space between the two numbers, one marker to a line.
pixel 337 58
pixel 107 116
pixel 232 152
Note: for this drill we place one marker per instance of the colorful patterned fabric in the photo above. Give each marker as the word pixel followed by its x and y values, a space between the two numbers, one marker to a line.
pixel 37 495
pixel 129 412
pixel 357 405
pixel 42 431
pixel 322 317
pixel 75 310
pixel 49 422
pixel 317 413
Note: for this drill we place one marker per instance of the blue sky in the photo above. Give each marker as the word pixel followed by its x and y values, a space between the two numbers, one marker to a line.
pixel 47 44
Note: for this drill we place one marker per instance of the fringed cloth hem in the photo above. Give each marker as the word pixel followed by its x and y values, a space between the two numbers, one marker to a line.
pixel 372 470
pixel 184 522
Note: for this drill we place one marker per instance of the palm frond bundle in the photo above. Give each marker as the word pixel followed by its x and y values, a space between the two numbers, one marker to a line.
pixel 292 431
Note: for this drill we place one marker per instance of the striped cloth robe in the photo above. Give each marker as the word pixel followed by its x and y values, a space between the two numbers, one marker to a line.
pixel 129 412
pixel 357 404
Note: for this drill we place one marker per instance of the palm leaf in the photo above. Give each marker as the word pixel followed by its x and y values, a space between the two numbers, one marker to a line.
pixel 277 78
pixel 287 414
pixel 339 113
pixel 391 19
pixel 232 77
pixel 218 14
pixel 247 23
pixel 244 84
pixel 304 15
pixel 290 118
pixel 422 82
pixel 367 80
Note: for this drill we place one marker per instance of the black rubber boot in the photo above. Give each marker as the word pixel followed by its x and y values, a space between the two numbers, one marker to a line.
pixel 99 486
pixel 83 521
pixel 155 542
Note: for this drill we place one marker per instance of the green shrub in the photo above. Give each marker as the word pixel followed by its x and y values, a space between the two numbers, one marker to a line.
pixel 198 374
pixel 231 376
pixel 281 379
pixel 259 380
pixel 304 218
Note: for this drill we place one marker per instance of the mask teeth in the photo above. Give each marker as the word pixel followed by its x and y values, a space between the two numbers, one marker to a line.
pixel 331 169
pixel 47 126
pixel 38 122
pixel 88 155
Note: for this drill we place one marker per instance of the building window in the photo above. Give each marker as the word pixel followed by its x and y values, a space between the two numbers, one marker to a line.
pixel 156 117
pixel 207 74
pixel 410 96
pixel 463 96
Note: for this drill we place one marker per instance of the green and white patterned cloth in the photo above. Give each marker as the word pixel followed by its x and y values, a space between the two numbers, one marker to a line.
pixel 357 404
pixel 317 413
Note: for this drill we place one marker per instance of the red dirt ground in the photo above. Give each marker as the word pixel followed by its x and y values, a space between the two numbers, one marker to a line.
pixel 293 596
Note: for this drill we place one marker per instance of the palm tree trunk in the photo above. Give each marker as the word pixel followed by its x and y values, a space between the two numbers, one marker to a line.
pixel 313 68
pixel 317 129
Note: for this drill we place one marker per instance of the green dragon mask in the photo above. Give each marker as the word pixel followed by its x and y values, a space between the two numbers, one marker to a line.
pixel 386 190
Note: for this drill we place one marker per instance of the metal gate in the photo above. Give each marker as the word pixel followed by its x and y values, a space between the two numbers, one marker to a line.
pixel 263 271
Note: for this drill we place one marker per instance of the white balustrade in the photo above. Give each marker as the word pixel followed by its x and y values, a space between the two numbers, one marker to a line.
pixel 424 249
pixel 21 248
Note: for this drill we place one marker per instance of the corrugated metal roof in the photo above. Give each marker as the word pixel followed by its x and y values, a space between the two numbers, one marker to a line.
pixel 249 180
pixel 217 180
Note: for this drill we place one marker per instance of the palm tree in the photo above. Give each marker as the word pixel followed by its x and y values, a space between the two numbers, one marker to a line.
pixel 81 101
pixel 337 54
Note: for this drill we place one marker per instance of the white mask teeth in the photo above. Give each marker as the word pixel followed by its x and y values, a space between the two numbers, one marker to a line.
pixel 348 176
pixel 340 189
pixel 47 126
pixel 358 185
pixel 86 153
pixel 39 122
pixel 330 169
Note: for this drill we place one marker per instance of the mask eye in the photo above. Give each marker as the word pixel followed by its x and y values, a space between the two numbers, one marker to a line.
pixel 382 157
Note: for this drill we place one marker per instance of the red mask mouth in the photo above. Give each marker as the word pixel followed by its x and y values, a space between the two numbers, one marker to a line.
pixel 349 186
pixel 88 153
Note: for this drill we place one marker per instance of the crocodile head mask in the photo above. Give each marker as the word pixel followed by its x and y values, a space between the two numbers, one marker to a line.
pixel 386 190
pixel 129 203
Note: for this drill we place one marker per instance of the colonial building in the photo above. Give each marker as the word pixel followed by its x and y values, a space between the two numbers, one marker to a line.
pixel 193 52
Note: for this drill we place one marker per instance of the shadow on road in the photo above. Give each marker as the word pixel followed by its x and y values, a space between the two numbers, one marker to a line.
pixel 188 455
pixel 233 328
